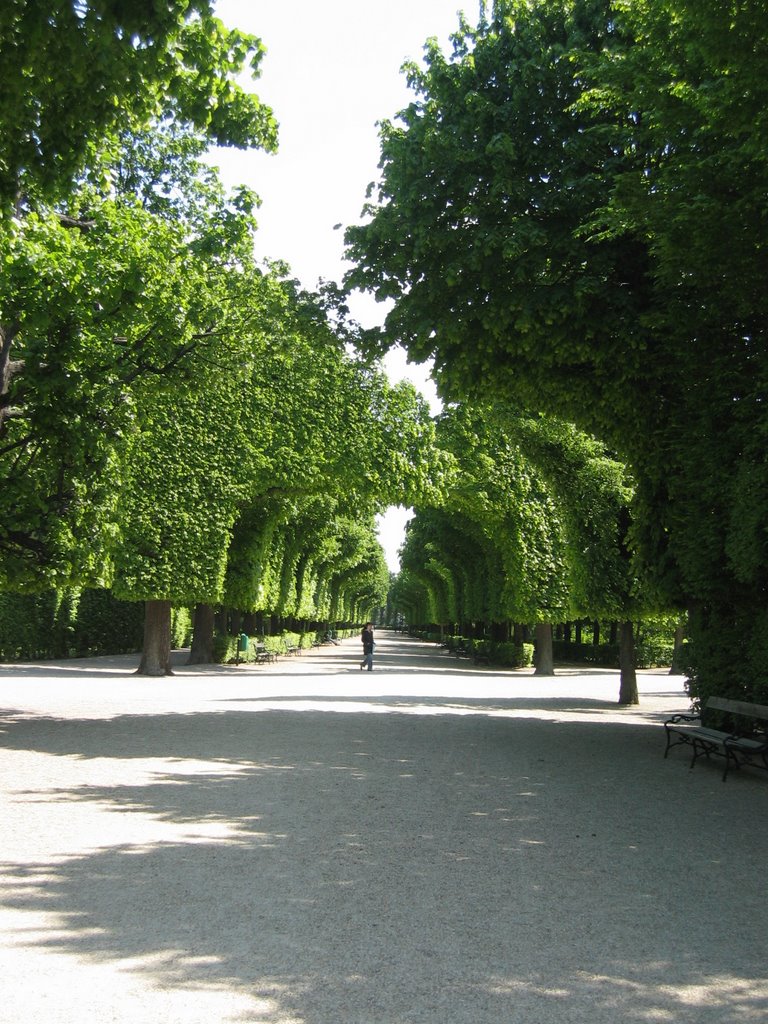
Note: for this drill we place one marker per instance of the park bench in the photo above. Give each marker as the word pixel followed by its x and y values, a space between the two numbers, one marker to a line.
pixel 744 741
pixel 292 650
pixel 261 655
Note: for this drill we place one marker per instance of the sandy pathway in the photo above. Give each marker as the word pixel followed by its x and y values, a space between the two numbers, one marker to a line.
pixel 429 843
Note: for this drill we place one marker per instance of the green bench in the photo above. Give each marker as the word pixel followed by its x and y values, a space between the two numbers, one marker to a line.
pixel 743 742
pixel 262 656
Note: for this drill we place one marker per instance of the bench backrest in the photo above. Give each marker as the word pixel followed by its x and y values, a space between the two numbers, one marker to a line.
pixel 737 707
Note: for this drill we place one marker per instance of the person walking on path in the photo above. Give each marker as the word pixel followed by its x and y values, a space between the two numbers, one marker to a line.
pixel 367 637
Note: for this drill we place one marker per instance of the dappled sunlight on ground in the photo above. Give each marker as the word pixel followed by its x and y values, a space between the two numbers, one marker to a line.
pixel 301 846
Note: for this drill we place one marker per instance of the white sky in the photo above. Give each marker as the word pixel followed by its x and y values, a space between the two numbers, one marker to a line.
pixel 332 70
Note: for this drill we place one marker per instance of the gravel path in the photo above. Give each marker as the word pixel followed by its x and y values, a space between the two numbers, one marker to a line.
pixel 430 843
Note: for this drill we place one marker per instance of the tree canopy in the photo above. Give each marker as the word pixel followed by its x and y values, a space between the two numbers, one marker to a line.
pixel 167 402
pixel 570 219
pixel 79 71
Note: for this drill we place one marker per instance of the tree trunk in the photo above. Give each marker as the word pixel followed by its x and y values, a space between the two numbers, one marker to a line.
pixel 499 632
pixel 596 632
pixel 675 668
pixel 628 686
pixel 544 660
pixel 7 367
pixel 201 652
pixel 156 654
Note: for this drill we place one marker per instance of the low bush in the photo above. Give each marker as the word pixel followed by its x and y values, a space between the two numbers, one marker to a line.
pixel 511 654
pixel 606 655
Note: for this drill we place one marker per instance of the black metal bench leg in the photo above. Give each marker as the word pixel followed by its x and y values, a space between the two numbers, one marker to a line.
pixel 730 759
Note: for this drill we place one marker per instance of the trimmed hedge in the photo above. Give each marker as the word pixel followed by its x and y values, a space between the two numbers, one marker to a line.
pixel 226 648
pixel 108 626
pixel 509 654
pixel 68 624
pixel 651 653
pixel 566 651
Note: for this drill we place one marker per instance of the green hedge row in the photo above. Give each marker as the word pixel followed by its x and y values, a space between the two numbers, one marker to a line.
pixel 69 624
pixel 650 653
pixel 88 623
pixel 227 649
pixel 653 652
pixel 509 654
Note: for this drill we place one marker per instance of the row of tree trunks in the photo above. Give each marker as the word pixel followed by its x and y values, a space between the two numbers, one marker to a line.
pixel 564 632
pixel 628 692
pixel 156 651
pixel 156 654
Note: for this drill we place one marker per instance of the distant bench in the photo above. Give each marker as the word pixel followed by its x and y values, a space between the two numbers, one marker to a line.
pixel 261 655
pixel 462 651
pixel 745 744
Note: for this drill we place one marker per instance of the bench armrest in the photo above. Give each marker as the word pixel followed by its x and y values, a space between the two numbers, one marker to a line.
pixel 682 718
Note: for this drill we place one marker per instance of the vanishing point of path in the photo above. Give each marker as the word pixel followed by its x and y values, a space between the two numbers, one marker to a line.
pixel 429 843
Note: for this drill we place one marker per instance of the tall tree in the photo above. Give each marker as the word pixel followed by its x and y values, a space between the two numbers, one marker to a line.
pixel 95 305
pixel 550 223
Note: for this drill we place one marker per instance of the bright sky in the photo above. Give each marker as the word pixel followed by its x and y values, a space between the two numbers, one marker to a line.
pixel 332 70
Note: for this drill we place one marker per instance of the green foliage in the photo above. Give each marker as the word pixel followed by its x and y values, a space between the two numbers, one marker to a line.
pixel 181 627
pixel 169 410
pixel 81 71
pixel 179 505
pixel 106 625
pixel 571 219
pixel 508 653
pixel 67 624
pixel 568 652
pixel 593 495
pixel 486 181
pixel 454 641
pixel 169 310
pixel 28 626
pixel 652 652
pixel 513 654
pixel 530 525
pixel 100 320
pixel 729 653
pixel 225 649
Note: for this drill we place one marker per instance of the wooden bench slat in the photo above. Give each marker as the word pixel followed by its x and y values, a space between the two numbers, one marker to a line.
pixel 747 743
pixel 737 749
pixel 737 707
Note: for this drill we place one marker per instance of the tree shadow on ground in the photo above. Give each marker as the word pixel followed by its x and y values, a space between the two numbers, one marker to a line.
pixel 408 869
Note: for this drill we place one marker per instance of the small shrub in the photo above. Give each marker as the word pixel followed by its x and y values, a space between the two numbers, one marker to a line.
pixel 513 655
pixel 224 648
